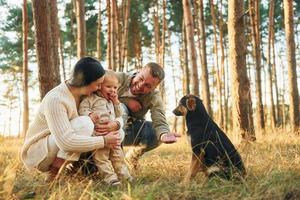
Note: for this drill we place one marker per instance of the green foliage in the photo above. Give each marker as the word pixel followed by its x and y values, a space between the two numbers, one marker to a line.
pixel 69 34
pixel 140 32
pixel 175 15
pixel 278 17
pixel 11 42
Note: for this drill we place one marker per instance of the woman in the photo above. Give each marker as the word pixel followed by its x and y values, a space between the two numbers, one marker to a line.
pixel 58 134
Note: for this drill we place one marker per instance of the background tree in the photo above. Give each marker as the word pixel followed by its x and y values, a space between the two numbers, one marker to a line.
pixel 291 62
pixel 189 25
pixel 240 85
pixel 204 70
pixel 81 28
pixel 25 69
pixel 271 69
pixel 255 33
pixel 48 77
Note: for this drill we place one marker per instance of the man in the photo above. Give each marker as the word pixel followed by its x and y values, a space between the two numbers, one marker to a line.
pixel 137 93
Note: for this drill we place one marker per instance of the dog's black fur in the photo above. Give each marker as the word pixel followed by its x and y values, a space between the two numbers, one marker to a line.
pixel 210 145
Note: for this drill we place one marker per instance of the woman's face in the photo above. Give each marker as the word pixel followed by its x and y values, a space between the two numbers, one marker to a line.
pixel 94 86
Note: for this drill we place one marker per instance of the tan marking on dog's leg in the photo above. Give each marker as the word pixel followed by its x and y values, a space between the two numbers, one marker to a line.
pixel 195 166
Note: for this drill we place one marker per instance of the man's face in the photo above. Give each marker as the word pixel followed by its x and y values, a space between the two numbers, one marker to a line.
pixel 143 82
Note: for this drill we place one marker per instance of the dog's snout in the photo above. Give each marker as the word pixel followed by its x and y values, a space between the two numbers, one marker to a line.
pixel 177 112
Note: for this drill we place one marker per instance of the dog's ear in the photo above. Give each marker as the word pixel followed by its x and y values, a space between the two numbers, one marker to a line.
pixel 191 103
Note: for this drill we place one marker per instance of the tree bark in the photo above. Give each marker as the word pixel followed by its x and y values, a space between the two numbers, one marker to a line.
pixel 204 70
pixel 109 39
pixel 184 62
pixel 162 51
pixel 271 29
pixel 291 62
pixel 81 29
pixel 254 13
pixel 25 69
pixel 48 77
pixel 240 85
pixel 216 65
pixel 55 31
pixel 115 44
pixel 99 29
pixel 125 37
pixel 222 75
pixel 188 19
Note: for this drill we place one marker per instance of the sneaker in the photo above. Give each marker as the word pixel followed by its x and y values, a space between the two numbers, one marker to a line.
pixel 114 183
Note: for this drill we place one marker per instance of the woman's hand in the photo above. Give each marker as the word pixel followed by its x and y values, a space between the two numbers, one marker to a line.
pixel 112 139
pixel 105 128
pixel 94 117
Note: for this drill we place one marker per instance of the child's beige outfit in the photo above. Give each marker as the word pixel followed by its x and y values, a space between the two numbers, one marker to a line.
pixel 110 162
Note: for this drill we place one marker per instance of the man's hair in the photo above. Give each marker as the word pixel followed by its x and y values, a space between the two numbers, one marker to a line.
pixel 86 71
pixel 156 70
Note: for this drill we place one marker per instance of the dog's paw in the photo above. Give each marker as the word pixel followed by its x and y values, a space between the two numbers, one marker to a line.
pixel 186 182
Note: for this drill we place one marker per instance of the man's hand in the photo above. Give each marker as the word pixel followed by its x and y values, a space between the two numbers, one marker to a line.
pixel 112 140
pixel 134 106
pixel 169 138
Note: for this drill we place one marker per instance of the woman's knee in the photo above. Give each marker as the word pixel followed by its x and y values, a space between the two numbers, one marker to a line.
pixel 83 125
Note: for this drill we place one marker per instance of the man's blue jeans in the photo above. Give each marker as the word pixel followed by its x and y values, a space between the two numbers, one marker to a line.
pixel 139 132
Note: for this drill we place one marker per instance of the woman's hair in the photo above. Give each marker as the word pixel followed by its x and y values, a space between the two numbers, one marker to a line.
pixel 86 71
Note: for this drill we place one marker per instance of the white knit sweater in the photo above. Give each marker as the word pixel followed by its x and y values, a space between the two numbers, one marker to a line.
pixel 53 117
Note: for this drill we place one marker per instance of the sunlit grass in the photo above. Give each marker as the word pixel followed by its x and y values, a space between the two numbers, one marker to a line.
pixel 272 162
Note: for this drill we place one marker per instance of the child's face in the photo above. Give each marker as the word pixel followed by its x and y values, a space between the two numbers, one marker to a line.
pixel 109 86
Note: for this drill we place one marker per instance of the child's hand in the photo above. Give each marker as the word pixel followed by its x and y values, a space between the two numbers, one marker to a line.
pixel 94 117
pixel 114 97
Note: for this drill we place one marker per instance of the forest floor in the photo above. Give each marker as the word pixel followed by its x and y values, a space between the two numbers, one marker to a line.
pixel 272 163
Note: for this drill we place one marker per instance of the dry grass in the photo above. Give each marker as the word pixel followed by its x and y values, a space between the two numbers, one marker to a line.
pixel 273 165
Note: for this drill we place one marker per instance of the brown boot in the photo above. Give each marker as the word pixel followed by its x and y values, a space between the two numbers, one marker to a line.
pixel 54 169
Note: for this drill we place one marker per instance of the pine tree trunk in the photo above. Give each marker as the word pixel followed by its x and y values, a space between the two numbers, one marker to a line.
pixel 61 50
pixel 271 29
pixel 162 51
pixel 223 81
pixel 115 36
pixel 216 65
pixel 25 69
pixel 156 33
pixel 125 37
pixel 254 13
pixel 48 78
pixel 99 29
pixel 184 69
pixel 274 72
pixel 188 19
pixel 291 62
pixel 173 78
pixel 109 39
pixel 55 31
pixel 240 85
pixel 81 29
pixel 184 62
pixel 204 70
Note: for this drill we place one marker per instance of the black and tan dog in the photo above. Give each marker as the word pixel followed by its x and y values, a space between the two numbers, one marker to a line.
pixel 213 152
